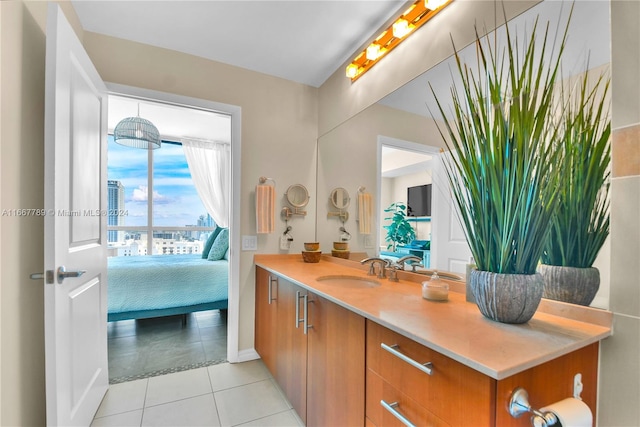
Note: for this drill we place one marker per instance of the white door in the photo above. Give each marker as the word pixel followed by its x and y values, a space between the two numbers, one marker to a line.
pixel 449 248
pixel 75 228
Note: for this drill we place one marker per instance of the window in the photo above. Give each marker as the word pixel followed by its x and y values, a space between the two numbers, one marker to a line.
pixel 153 210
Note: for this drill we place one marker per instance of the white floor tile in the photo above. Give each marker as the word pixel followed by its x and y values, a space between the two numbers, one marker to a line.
pixel 180 385
pixel 123 397
pixel 228 375
pixel 127 419
pixel 249 402
pixel 195 411
pixel 282 419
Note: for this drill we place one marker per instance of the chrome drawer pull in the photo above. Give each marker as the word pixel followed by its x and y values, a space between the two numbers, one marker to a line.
pixel 305 316
pixel 271 280
pixel 391 407
pixel 393 349
pixel 298 319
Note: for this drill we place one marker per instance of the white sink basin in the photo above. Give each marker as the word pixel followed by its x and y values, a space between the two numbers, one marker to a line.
pixel 347 281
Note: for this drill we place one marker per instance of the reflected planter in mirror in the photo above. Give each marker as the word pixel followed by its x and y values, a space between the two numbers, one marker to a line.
pixel 507 298
pixel 570 284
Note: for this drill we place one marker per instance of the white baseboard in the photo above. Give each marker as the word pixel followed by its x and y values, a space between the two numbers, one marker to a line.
pixel 246 355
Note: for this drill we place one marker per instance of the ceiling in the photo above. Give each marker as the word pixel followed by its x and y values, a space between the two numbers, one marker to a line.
pixel 305 41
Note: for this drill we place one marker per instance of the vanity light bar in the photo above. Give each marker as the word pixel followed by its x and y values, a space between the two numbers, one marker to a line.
pixel 412 19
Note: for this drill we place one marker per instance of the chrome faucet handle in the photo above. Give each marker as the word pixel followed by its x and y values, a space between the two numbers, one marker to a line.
pixel 414 266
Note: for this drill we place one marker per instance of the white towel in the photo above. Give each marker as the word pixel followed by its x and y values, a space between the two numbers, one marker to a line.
pixel 265 208
pixel 365 211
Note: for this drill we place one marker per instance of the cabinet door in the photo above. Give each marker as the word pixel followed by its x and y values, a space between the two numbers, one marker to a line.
pixel 336 365
pixel 265 322
pixel 291 353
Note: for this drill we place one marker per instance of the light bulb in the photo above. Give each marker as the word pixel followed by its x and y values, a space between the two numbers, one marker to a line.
pixel 352 70
pixel 373 52
pixel 401 28
pixel 433 4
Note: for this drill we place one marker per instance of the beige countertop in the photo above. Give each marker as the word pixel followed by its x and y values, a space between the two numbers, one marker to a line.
pixel 455 328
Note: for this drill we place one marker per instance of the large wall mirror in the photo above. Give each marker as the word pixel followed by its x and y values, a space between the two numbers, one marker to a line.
pixel 402 120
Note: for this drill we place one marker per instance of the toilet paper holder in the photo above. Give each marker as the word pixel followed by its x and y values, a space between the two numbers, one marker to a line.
pixel 519 404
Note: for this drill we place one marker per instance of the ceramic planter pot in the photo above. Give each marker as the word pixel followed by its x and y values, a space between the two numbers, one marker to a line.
pixel 507 298
pixel 570 284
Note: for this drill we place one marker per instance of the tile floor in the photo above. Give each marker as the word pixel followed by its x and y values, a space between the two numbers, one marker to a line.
pixel 149 347
pixel 241 394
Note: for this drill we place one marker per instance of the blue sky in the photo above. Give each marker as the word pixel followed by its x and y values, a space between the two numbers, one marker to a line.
pixel 176 201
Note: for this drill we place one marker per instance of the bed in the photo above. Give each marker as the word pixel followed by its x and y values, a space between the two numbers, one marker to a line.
pixel 141 287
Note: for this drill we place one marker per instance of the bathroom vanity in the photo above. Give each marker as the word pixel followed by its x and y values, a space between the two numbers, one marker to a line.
pixel 352 349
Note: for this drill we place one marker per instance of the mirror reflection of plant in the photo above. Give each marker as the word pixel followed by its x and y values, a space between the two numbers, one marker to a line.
pixel 581 223
pixel 502 164
pixel 400 231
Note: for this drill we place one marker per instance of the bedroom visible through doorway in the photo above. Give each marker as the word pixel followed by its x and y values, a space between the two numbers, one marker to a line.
pixel 168 241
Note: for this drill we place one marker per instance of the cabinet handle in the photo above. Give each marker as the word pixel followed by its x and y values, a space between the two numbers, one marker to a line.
pixel 298 319
pixel 391 407
pixel 271 280
pixel 305 312
pixel 393 349
pixel 306 324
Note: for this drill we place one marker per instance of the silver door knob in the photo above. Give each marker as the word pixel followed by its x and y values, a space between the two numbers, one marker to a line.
pixel 63 273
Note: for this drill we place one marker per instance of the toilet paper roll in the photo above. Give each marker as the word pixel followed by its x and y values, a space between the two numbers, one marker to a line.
pixel 571 412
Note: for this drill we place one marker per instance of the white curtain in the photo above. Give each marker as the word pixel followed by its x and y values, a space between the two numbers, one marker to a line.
pixel 210 166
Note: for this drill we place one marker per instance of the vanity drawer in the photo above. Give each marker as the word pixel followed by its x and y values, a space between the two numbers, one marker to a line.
pixel 379 391
pixel 452 391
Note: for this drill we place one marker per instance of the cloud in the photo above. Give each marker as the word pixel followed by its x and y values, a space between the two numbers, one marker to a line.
pixel 141 194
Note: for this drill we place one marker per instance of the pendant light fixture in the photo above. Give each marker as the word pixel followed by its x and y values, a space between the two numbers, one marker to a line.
pixel 137 132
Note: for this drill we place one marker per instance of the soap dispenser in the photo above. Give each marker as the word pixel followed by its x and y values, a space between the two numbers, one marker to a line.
pixel 435 289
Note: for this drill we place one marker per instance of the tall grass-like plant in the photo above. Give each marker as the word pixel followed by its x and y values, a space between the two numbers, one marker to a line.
pixel 581 223
pixel 502 167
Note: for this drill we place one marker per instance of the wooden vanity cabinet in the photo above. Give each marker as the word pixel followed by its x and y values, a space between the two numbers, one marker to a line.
pixel 281 345
pixel 322 372
pixel 456 395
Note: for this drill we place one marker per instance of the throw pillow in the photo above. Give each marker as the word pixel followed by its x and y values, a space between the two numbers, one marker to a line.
pixel 220 245
pixel 209 242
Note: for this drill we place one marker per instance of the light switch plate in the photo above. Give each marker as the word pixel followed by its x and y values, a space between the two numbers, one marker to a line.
pixel 249 243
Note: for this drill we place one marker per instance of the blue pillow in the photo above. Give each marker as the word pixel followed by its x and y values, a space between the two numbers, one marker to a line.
pixel 209 243
pixel 220 245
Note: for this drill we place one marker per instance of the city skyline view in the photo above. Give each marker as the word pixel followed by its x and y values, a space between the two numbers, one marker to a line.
pixel 175 200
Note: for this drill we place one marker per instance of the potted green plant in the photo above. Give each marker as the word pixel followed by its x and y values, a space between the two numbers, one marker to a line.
pixel 501 168
pixel 580 225
pixel 399 231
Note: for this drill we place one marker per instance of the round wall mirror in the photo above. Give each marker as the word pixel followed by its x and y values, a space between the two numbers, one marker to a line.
pixel 297 195
pixel 340 198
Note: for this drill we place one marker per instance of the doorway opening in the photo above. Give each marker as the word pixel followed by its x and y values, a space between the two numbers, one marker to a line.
pixel 166 224
pixel 403 165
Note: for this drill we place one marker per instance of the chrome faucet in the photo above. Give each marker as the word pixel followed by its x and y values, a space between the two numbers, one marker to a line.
pixel 384 263
pixel 401 261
